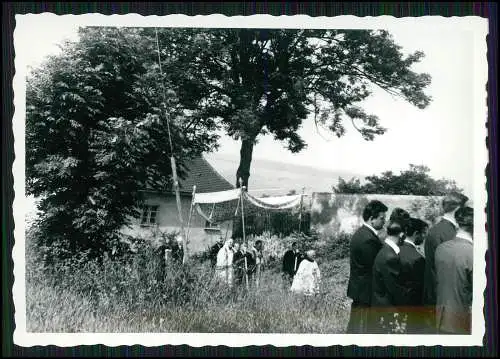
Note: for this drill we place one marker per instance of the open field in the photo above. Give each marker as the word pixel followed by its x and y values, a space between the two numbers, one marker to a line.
pixel 123 296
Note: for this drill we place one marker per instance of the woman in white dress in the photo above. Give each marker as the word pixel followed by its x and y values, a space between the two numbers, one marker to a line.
pixel 308 277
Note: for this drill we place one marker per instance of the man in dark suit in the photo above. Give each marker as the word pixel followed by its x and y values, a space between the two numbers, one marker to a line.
pixel 238 264
pixel 364 247
pixel 443 231
pixel 291 261
pixel 214 250
pixel 412 273
pixel 454 268
pixel 388 292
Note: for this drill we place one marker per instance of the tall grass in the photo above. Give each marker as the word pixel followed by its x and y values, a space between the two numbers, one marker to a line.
pixel 129 295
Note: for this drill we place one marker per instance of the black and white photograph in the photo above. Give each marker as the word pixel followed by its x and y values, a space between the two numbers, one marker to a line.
pixel 249 180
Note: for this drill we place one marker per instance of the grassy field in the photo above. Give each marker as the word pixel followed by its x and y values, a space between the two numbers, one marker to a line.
pixel 124 296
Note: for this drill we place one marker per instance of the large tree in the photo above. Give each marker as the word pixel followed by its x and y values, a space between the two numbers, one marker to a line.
pixel 414 181
pixel 268 81
pixel 96 134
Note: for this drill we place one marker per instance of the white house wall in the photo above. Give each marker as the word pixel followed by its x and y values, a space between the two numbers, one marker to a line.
pixel 167 220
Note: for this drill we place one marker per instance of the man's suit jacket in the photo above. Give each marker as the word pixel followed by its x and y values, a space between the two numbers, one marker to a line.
pixel 363 249
pixel 387 287
pixel 454 264
pixel 289 262
pixel 412 273
pixel 440 233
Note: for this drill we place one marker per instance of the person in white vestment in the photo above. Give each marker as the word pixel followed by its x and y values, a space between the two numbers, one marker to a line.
pixel 308 277
pixel 224 264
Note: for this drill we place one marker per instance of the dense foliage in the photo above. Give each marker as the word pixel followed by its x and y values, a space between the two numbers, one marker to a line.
pixel 414 181
pixel 268 81
pixel 96 134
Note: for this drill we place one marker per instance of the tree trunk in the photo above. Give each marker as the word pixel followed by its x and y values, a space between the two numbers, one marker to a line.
pixel 243 171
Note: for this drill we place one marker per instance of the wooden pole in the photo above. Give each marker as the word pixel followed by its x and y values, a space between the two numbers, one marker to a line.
pixel 190 215
pixel 179 209
pixel 242 212
pixel 300 213
pixel 243 228
pixel 246 272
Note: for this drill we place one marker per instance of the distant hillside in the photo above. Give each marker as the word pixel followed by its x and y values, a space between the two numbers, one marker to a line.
pixel 278 178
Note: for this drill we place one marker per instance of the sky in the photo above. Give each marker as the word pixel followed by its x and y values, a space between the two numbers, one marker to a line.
pixel 439 136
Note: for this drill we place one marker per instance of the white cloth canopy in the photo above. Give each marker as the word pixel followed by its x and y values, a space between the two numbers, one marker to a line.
pixel 278 202
pixel 217 197
pixel 223 205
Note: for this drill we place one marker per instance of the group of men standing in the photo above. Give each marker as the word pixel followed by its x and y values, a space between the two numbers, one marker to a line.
pixel 397 289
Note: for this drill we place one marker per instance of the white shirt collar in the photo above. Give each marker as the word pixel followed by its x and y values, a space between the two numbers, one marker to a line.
pixel 451 219
pixel 464 235
pixel 393 245
pixel 371 228
pixel 410 243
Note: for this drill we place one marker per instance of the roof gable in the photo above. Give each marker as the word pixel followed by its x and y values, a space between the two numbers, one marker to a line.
pixel 200 173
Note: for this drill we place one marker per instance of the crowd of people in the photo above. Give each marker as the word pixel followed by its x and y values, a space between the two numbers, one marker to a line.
pixel 395 286
pixel 235 264
pixel 397 289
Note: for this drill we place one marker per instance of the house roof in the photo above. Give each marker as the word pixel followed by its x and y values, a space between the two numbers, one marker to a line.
pixel 200 173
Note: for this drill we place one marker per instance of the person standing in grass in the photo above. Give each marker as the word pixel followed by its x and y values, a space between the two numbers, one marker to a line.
pixel 364 247
pixel 239 263
pixel 291 262
pixel 224 265
pixel 412 273
pixel 257 261
pixel 389 294
pixel 177 250
pixel 161 263
pixel 214 250
pixel 454 267
pixel 443 231
pixel 308 277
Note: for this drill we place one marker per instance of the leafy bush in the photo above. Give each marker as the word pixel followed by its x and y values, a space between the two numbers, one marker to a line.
pixel 337 247
pixel 429 209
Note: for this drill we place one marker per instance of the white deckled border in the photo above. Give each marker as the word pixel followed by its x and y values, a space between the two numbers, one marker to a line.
pixel 478 26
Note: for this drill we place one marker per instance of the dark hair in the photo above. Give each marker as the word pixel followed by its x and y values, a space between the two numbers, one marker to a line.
pixel 453 200
pixel 395 228
pixel 415 225
pixel 258 241
pixel 294 244
pixel 465 217
pixel 373 209
pixel 399 213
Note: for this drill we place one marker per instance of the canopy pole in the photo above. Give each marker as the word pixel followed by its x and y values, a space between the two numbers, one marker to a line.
pixel 190 215
pixel 300 213
pixel 242 212
pixel 243 229
pixel 246 272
